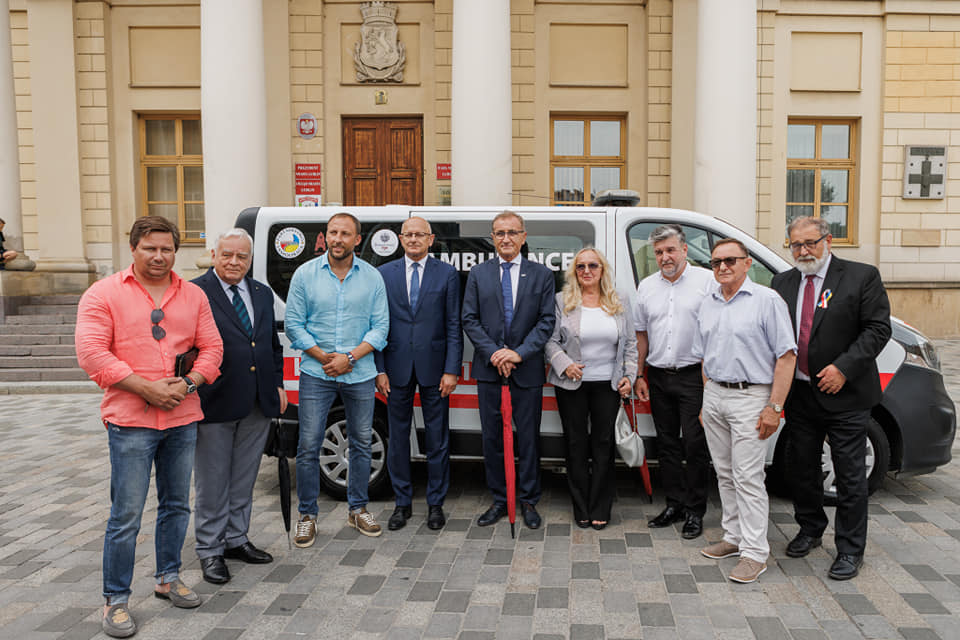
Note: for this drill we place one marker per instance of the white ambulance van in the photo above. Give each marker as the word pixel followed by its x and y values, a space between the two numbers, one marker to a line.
pixel 913 426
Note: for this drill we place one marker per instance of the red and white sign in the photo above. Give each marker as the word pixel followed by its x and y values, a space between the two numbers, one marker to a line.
pixel 443 171
pixel 307 179
pixel 307 126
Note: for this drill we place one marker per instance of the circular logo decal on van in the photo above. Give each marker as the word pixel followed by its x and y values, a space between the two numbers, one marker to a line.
pixel 289 243
pixel 385 242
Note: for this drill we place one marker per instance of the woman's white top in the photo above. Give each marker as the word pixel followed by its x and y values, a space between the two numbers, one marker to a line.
pixel 598 343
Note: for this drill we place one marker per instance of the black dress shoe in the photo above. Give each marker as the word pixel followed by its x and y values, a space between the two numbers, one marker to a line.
pixel 530 516
pixel 215 570
pixel 667 517
pixel 398 519
pixel 599 526
pixel 492 515
pixel 248 553
pixel 802 544
pixel 693 527
pixel 846 566
pixel 435 517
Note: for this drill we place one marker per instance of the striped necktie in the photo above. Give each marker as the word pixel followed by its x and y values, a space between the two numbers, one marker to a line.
pixel 506 286
pixel 241 310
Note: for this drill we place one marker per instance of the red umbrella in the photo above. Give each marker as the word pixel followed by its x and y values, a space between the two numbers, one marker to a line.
pixel 509 473
pixel 644 469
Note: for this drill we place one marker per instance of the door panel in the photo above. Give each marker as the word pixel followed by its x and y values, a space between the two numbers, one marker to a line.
pixel 383 161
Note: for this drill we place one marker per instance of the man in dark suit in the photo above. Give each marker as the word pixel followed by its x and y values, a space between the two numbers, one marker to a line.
pixel 237 408
pixel 508 314
pixel 841 316
pixel 424 350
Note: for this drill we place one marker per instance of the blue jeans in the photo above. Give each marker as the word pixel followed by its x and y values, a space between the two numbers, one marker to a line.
pixel 316 397
pixel 133 453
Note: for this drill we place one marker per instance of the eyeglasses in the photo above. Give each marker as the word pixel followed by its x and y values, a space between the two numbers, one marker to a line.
pixel 415 235
pixel 593 266
pixel 513 233
pixel 730 261
pixel 155 317
pixel 809 244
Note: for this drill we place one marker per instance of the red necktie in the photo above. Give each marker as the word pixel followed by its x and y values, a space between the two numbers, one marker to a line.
pixel 806 324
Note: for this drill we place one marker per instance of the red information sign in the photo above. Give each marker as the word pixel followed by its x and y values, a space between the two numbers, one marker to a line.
pixel 443 171
pixel 307 179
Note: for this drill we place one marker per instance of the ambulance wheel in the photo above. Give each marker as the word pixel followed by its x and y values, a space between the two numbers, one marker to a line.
pixel 335 456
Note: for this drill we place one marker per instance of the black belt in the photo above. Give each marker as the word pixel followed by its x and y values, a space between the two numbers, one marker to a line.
pixel 675 370
pixel 734 385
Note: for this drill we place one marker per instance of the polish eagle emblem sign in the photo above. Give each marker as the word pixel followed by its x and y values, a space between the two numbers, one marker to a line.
pixel 379 56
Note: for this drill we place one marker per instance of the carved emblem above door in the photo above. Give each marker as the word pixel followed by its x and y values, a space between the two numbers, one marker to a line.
pixel 379 56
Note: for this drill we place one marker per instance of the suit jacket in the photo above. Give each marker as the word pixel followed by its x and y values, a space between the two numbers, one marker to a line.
pixel 849 333
pixel 424 341
pixel 531 327
pixel 563 349
pixel 252 369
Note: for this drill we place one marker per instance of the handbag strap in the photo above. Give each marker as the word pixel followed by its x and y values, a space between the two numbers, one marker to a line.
pixel 630 408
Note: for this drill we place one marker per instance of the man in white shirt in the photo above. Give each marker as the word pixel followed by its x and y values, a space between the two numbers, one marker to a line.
pixel 745 339
pixel 668 302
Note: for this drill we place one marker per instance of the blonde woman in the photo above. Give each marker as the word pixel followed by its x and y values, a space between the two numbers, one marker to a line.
pixel 593 363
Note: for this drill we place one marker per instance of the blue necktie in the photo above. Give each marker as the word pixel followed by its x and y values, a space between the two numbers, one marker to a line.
pixel 507 286
pixel 414 284
pixel 241 310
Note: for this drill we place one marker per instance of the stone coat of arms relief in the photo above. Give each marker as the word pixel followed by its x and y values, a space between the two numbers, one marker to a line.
pixel 379 56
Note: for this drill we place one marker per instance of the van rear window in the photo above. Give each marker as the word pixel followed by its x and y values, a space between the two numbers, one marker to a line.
pixel 462 244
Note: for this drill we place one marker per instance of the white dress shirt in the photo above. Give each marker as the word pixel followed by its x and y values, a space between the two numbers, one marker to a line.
pixel 667 311
pixel 409 270
pixel 514 276
pixel 244 294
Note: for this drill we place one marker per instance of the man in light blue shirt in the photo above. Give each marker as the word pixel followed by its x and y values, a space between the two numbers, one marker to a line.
pixel 337 315
pixel 745 339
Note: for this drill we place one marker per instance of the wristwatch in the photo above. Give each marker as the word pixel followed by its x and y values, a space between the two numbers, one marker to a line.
pixel 776 407
pixel 191 387
pixel 351 359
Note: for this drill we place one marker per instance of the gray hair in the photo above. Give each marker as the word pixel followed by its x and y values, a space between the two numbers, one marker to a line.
pixel 236 232
pixel 667 231
pixel 823 227
pixel 506 213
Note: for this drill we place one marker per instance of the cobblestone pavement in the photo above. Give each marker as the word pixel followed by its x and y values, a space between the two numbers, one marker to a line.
pixel 464 582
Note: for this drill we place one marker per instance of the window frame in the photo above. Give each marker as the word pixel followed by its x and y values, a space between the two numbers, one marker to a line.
pixel 179 161
pixel 587 161
pixel 818 164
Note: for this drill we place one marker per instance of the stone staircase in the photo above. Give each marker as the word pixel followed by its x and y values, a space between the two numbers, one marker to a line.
pixel 36 344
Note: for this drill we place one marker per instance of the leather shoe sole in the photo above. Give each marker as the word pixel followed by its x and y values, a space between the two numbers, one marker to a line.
pixel 802 545
pixel 215 570
pixel 398 519
pixel 492 515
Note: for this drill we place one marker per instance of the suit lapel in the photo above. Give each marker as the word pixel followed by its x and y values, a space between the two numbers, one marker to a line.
pixel 791 286
pixel 399 278
pixel 258 309
pixel 424 283
pixel 522 284
pixel 830 283
pixel 219 297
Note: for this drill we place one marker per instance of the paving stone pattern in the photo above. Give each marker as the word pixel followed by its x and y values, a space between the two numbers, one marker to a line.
pixel 560 582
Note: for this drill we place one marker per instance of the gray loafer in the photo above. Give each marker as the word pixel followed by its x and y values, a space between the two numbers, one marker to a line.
pixel 118 623
pixel 180 595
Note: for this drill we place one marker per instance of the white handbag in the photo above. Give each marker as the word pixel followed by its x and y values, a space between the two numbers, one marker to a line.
pixel 629 442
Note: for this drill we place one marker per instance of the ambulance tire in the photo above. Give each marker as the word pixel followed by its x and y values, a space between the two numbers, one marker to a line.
pixel 334 456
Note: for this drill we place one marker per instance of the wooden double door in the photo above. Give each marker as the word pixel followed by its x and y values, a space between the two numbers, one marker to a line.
pixel 382 161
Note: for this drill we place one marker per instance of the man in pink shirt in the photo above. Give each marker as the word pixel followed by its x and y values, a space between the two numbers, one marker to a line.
pixel 130 328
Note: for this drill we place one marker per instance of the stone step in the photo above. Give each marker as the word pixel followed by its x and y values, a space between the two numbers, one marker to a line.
pixel 35 339
pixel 28 375
pixel 47 309
pixel 34 329
pixel 33 350
pixel 38 362
pixel 52 318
